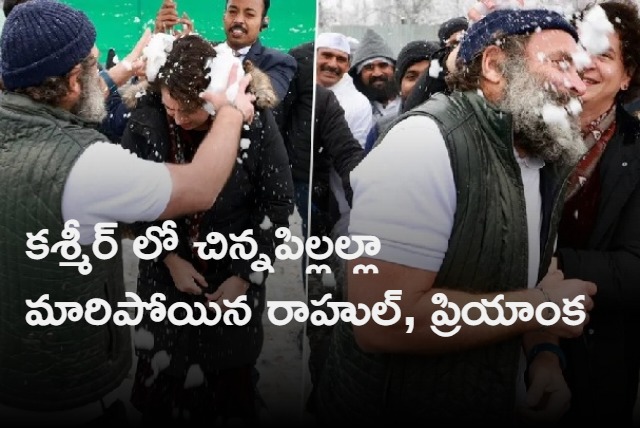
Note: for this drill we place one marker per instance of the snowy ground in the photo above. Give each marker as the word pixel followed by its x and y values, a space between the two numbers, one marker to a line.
pixel 283 376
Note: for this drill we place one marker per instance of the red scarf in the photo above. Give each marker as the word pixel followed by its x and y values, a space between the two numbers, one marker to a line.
pixel 596 136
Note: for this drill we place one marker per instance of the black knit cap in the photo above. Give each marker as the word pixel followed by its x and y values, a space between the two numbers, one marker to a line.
pixel 41 39
pixel 413 52
pixel 450 27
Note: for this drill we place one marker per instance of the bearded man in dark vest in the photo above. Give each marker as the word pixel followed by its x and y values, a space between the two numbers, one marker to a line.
pixel 464 193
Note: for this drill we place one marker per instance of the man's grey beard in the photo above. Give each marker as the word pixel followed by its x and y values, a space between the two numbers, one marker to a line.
pixel 91 105
pixel 525 96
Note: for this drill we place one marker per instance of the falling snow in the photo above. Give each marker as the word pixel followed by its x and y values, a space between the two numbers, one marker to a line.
pixel 555 115
pixel 594 31
pixel 266 223
pixel 143 339
pixel 195 377
pixel 434 68
pixel 256 277
pixel 574 107
pixel 159 362
pixel 581 58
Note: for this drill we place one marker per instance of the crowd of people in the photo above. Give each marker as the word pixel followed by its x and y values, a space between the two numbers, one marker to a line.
pixel 499 162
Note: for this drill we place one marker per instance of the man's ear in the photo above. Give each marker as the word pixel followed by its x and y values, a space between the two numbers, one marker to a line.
pixel 265 23
pixel 74 81
pixel 75 89
pixel 492 59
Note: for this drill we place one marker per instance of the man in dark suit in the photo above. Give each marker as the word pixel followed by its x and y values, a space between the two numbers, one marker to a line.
pixel 243 21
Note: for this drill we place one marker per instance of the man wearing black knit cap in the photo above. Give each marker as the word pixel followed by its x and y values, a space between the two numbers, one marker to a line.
pixel 58 172
pixel 414 59
pixel 464 193
pixel 451 31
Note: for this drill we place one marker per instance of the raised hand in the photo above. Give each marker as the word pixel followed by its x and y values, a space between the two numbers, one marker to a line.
pixel 187 26
pixel 167 17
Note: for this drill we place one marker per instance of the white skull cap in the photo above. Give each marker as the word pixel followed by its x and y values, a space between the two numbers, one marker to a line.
pixel 334 41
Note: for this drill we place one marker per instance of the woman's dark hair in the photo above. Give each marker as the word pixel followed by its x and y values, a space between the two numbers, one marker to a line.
pixel 623 15
pixel 184 74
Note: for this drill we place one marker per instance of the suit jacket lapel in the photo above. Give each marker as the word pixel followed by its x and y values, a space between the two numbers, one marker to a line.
pixel 255 52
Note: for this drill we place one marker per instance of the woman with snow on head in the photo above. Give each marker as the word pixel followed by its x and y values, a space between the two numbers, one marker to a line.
pixel 205 372
pixel 599 235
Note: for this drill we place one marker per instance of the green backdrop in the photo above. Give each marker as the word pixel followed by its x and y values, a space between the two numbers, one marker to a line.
pixel 120 23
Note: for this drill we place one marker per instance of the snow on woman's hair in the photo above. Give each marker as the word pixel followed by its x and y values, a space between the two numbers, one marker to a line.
pixel 594 30
pixel 156 53
pixel 219 69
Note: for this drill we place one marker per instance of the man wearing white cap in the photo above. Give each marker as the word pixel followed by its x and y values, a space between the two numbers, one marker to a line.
pixel 333 56
pixel 333 60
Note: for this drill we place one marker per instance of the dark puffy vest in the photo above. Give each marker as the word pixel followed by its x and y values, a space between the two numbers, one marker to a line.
pixel 487 252
pixel 50 368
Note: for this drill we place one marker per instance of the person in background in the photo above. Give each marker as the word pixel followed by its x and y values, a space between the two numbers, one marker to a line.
pixel 333 59
pixel 243 22
pixel 432 81
pixel 413 60
pixel 116 79
pixel 334 149
pixel 451 32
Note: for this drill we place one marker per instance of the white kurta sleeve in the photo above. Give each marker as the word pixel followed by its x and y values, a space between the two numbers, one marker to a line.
pixel 404 193
pixel 111 184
